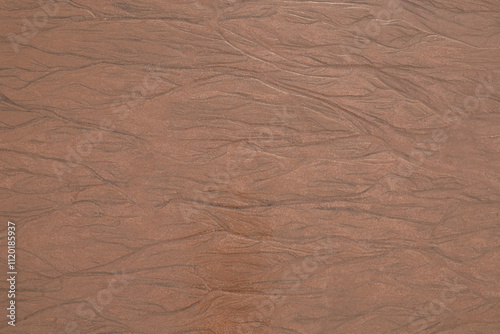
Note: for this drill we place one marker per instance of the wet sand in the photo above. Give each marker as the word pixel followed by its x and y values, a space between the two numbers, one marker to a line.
pixel 234 167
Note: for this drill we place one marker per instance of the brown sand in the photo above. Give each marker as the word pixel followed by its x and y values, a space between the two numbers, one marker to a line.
pixel 288 167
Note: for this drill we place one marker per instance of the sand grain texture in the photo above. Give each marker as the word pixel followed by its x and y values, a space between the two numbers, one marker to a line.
pixel 234 167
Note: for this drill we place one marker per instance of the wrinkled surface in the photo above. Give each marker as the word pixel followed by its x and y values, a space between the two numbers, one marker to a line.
pixel 291 167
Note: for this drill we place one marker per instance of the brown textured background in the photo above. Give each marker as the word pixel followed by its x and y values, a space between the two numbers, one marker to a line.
pixel 291 167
